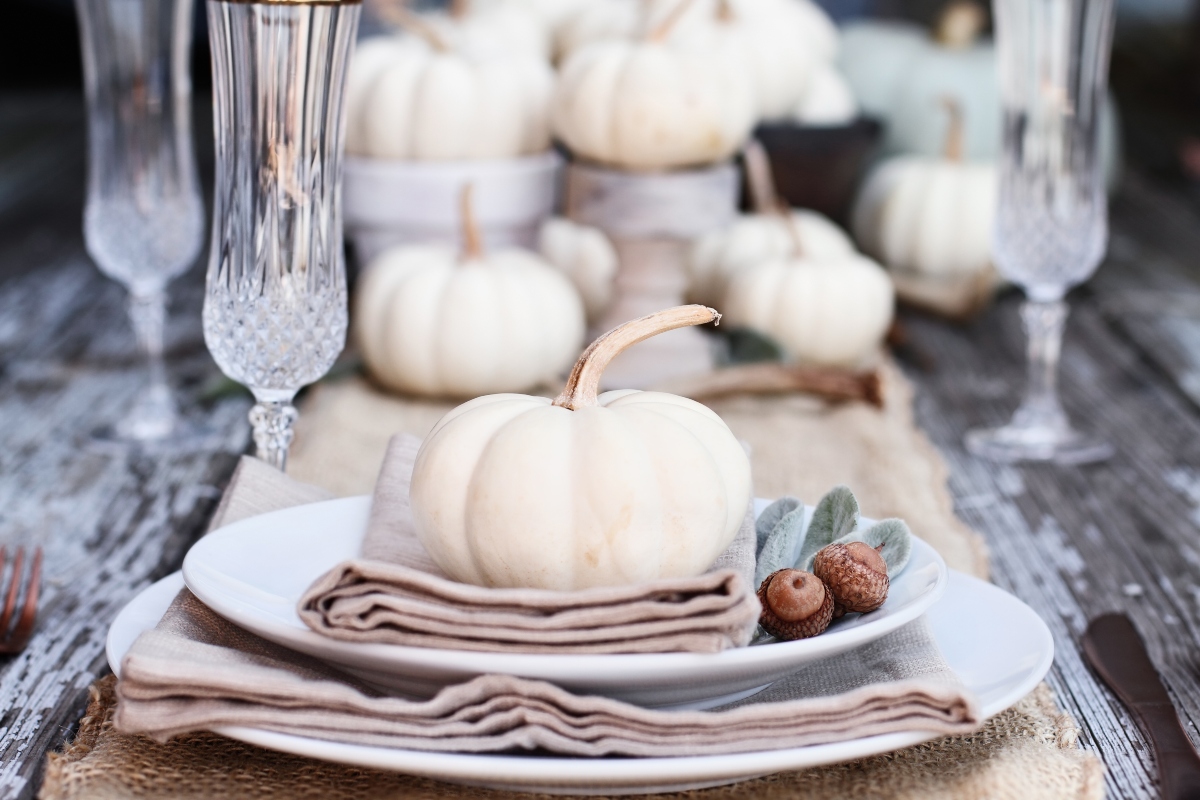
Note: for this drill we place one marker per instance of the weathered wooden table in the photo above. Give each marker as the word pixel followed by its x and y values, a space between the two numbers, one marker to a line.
pixel 1072 542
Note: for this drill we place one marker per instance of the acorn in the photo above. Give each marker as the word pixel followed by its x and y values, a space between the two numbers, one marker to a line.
pixel 856 575
pixel 795 604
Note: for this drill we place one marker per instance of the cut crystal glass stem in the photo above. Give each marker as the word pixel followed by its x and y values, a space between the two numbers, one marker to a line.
pixel 273 421
pixel 153 415
pixel 1044 324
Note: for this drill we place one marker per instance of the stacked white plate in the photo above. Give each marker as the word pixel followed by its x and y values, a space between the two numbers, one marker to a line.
pixel 253 572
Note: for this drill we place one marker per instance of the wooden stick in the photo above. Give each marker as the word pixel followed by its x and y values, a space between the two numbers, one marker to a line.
pixel 583 386
pixel 472 238
pixel 773 378
pixel 959 24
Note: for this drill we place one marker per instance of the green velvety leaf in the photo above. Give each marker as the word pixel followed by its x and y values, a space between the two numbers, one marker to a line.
pixel 836 514
pixel 895 537
pixel 782 545
pixel 770 517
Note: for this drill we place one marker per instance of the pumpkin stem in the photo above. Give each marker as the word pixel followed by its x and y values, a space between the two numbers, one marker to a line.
pixel 583 385
pixel 959 25
pixel 397 12
pixel 725 11
pixel 472 238
pixel 953 148
pixel 459 8
pixel 664 28
pixel 763 195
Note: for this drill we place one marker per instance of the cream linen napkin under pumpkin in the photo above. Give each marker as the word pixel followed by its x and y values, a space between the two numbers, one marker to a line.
pixel 196 671
pixel 395 594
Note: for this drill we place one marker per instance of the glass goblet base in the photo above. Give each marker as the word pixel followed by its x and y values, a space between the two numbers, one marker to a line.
pixel 1032 440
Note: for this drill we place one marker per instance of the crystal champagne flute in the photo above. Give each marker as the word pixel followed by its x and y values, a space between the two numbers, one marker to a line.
pixel 275 304
pixel 1052 221
pixel 143 220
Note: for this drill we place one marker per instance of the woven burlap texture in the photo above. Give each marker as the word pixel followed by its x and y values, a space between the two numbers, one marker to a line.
pixel 799 446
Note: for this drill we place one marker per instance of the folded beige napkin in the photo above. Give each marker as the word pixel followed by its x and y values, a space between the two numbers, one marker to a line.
pixel 395 594
pixel 196 671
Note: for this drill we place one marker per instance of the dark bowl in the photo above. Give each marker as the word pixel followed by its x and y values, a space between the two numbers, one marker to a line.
pixel 820 167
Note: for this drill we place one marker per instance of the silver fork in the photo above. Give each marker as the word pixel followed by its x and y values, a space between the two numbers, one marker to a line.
pixel 22 590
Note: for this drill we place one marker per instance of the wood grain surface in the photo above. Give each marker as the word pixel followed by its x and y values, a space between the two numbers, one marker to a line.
pixel 1072 542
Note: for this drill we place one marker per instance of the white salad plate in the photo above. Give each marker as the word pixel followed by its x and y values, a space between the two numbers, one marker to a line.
pixel 254 572
pixel 995 643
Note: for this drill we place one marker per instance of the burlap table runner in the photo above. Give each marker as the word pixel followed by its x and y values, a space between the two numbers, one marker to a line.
pixel 800 446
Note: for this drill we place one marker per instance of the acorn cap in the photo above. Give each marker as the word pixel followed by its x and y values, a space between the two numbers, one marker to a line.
pixel 856 575
pixel 795 604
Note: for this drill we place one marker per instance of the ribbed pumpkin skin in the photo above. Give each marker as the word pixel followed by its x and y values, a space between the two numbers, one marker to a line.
pixel 755 239
pixel 832 312
pixel 646 105
pixel 511 491
pixel 928 216
pixel 430 325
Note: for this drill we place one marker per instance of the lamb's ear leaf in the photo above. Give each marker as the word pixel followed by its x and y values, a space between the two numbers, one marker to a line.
pixel 770 517
pixel 782 545
pixel 836 514
pixel 895 537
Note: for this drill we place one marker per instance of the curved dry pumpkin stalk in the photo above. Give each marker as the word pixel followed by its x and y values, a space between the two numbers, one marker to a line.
pixel 397 13
pixel 583 385
pixel 764 197
pixel 471 235
pixel 663 30
pixel 959 24
pixel 954 146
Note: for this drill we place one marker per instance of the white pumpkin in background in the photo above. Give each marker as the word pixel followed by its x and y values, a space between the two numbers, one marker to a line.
pixel 586 256
pixel 432 321
pixel 422 98
pixel 773 232
pixel 780 42
pixel 901 72
pixel 646 105
pixel 828 100
pixel 930 221
pixel 586 490
pixel 832 312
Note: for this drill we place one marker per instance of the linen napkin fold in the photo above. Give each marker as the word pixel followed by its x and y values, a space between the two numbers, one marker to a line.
pixel 196 671
pixel 395 594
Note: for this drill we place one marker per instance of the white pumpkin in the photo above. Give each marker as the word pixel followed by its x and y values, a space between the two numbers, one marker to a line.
pixel 828 100
pixel 773 232
pixel 586 256
pixel 411 97
pixel 779 42
pixel 929 216
pixel 585 490
pixel 832 312
pixel 645 105
pixel 431 321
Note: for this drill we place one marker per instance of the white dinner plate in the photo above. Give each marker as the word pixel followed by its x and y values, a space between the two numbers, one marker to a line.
pixel 253 573
pixel 995 643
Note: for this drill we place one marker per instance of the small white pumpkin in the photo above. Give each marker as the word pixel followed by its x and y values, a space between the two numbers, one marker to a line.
pixel 425 98
pixel 586 256
pixel 646 105
pixel 931 216
pixel 586 490
pixel 828 100
pixel 773 232
pixel 832 312
pixel 434 322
